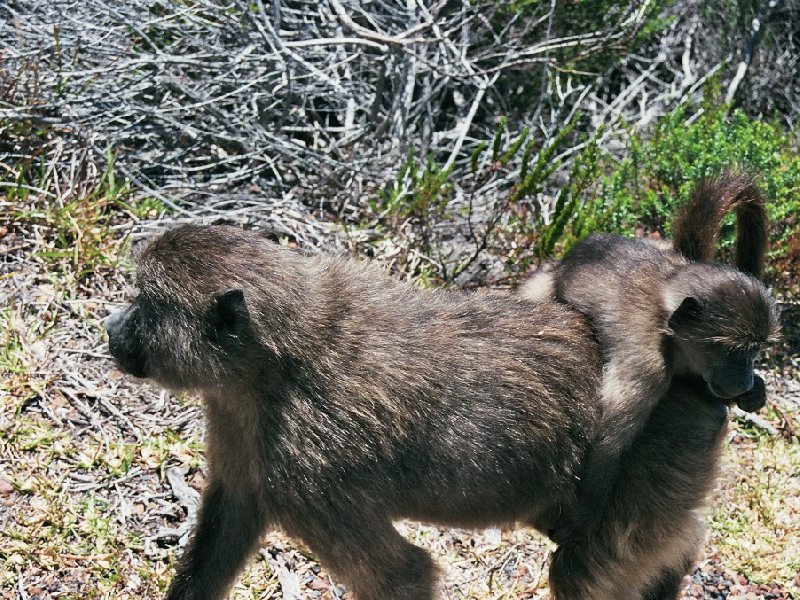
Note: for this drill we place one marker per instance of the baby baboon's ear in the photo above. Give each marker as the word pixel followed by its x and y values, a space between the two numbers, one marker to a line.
pixel 690 312
pixel 229 314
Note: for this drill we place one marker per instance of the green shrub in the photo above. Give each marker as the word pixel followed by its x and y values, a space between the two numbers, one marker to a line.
pixel 644 190
pixel 636 195
pixel 641 193
pixel 436 232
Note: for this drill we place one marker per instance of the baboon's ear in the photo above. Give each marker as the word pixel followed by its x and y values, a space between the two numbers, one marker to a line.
pixel 229 314
pixel 689 313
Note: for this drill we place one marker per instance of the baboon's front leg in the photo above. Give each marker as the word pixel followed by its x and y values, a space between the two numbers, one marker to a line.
pixel 227 529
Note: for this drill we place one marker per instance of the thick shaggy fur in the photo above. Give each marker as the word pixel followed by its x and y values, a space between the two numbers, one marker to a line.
pixel 648 533
pixel 338 399
pixel 658 315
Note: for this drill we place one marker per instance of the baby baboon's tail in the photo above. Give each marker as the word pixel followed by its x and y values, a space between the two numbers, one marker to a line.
pixel 696 228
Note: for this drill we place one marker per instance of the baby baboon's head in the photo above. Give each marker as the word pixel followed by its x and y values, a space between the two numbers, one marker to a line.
pixel 723 319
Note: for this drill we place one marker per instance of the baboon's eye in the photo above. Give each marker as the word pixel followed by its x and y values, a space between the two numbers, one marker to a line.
pixel 738 359
pixel 739 355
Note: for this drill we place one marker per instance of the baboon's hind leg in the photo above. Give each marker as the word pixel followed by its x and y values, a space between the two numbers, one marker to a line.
pixel 619 567
pixel 373 559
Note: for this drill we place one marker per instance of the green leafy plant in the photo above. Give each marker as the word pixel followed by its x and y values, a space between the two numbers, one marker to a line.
pixel 644 190
pixel 641 193
pixel 418 208
pixel 73 221
pixel 418 197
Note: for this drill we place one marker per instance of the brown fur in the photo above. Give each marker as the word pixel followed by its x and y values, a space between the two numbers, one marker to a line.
pixel 648 533
pixel 696 227
pixel 338 399
pixel 658 315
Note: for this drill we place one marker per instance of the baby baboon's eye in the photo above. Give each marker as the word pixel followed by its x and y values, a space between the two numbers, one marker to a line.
pixel 739 356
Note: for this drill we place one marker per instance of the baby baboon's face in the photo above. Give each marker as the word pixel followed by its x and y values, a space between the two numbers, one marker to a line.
pixel 728 372
pixel 722 333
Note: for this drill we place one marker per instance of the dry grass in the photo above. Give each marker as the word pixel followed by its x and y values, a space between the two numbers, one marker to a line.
pixel 92 463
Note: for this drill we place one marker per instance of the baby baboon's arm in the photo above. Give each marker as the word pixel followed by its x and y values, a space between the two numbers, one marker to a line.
pixel 631 389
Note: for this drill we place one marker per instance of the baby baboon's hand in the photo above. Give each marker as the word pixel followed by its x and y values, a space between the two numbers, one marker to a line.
pixel 753 400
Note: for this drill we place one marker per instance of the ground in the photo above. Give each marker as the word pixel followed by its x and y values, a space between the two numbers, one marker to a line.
pixel 99 472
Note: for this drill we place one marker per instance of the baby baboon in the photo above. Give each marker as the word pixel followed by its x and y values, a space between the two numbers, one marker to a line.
pixel 338 399
pixel 659 315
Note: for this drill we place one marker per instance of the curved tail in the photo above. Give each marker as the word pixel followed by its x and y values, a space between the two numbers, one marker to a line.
pixel 695 229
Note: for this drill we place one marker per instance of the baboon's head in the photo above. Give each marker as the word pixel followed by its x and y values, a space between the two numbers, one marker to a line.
pixel 189 325
pixel 721 318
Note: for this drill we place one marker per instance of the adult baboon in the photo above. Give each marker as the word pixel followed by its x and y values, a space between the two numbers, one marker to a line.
pixel 338 399
pixel 658 315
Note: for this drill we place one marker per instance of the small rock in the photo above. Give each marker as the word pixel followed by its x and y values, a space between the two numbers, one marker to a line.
pixel 6 489
pixel 493 536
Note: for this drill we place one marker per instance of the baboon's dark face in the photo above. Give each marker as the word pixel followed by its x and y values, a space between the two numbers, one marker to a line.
pixel 728 372
pixel 125 340
pixel 721 332
pixel 174 344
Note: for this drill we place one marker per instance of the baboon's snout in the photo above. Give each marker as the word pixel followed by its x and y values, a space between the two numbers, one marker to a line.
pixel 732 383
pixel 113 322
